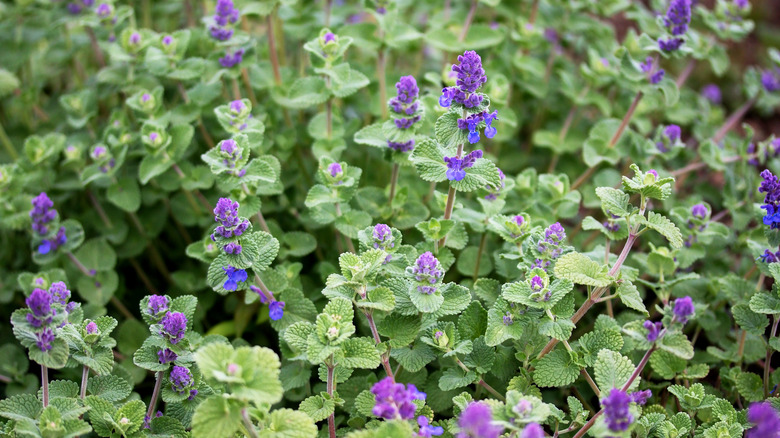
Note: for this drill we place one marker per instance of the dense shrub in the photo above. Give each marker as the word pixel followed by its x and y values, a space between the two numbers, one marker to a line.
pixel 220 218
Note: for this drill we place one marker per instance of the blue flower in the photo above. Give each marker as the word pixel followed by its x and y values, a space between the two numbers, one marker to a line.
pixel 490 131
pixel 276 310
pixel 235 276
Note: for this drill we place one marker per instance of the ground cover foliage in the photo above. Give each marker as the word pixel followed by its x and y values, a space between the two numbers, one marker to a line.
pixel 387 218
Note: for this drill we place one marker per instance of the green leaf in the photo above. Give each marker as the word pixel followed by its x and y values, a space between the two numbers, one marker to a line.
pixel 20 407
pixel 318 407
pixel 613 200
pixel 612 370
pixel 665 227
pixel 304 93
pixel 371 135
pixel 454 378
pixel 109 387
pixel 629 296
pixel 426 303
pixel 8 82
pixel 428 159
pixel 765 303
pixel 286 423
pixel 125 194
pixel 54 358
pixel 359 353
pixel 380 298
pixel 559 329
pixel 456 298
pixel 482 174
pixel 677 344
pixel 447 131
pixel 413 358
pixel 580 269
pixel 346 81
pixel 753 322
pixel 556 369
pixel 97 254
pixel 216 416
pixel 750 386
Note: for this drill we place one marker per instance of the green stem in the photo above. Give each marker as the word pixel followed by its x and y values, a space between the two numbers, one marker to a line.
pixel 769 351
pixel 393 183
pixel 250 428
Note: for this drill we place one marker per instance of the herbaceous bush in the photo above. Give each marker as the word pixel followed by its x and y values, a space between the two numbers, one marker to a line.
pixel 387 218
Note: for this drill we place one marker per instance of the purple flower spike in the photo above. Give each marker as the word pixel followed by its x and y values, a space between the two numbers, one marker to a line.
pixel 166 356
pixel 44 339
pixel 91 328
pixel 232 59
pixel 59 292
pixel 699 211
pixel 394 400
pixel 671 44
pixel 42 213
pixel 537 284
pixel 770 79
pixel 39 303
pixel 104 10
pixel 653 329
pixel 678 16
pixel 157 304
pixel 673 133
pixel 382 237
pixel 712 93
pixel 616 411
pixel 532 430
pixel 406 146
pixel 329 38
pixel 683 309
pixel 766 421
pixel 456 166
pixel 174 324
pixel 234 276
pixel 471 75
pixel 335 169
pixel 276 310
pixel 490 131
pixel 181 380
pixel 554 236
pixel 427 271
pixel 426 430
pixel 641 397
pixel 476 421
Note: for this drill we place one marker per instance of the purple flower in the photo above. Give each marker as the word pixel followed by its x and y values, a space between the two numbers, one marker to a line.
pixel 471 75
pixel 167 40
pixel 537 284
pixel 135 38
pixel 59 292
pixel 157 304
pixel 406 146
pixel 329 38
pixel 225 14
pixel 770 257
pixel 490 131
pixel 678 16
pixel 671 44
pixel 276 310
pixel 672 132
pixel 181 380
pixel 234 276
pixel 653 329
pixel 44 339
pixel 427 271
pixel 771 186
pixel 335 169
pixel 405 102
pixel 550 246
pixel 699 211
pixel 231 60
pixel 42 213
pixel 74 8
pixel 104 10
pixel 426 430
pixel 233 248
pixel 394 400
pixel 40 303
pixel 766 420
pixel 52 244
pixel 640 397
pixel 653 75
pixel 770 79
pixel 683 309
pixel 712 93
pixel 508 319
pixel 532 430
pixel 616 412
pixel 406 122
pixel 92 328
pixel 383 237
pixel 476 421
pixel 456 165
pixel 221 33
pixel 166 356
pixel 230 225
pixel 174 324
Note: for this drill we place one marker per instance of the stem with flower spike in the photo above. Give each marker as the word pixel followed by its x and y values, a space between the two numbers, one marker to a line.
pixel 450 200
pixel 45 385
pixel 155 394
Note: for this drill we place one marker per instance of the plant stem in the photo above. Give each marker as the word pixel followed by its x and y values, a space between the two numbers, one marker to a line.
pixel 685 73
pixel 250 428
pixel 769 351
pixel 469 20
pixel 79 265
pixel 9 147
pixel 615 138
pixel 482 241
pixel 201 127
pixel 332 417
pixel 99 208
pixel 95 46
pixel 729 124
pixel 450 200
pixel 45 384
pixel 327 12
pixel 593 299
pixel 84 378
pixel 272 48
pixel 155 394
pixel 377 340
pixel 393 183
pixel 381 67
pixel 491 390
pixel 590 381
pixel 350 246
pixel 248 86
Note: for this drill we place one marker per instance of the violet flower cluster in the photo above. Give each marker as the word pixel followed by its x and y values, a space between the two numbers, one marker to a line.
pixel 654 74
pixel 234 276
pixel 182 382
pixel 428 272
pixel 765 419
pixel 156 305
pixel 770 186
pixel 231 154
pixel 712 93
pixel 677 19
pixel 551 246
pixel 470 77
pixel 682 310
pixel 166 355
pixel 494 192
pixel 456 165
pixel 174 325
pixel 476 421
pixel 43 216
pixel 382 238
pixel 405 103
pixel 44 306
pixel 472 122
pixel 770 79
pixel 394 400
pixel 230 225
pixel 275 308
pixel 225 15
pixel 76 7
pixel 671 134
